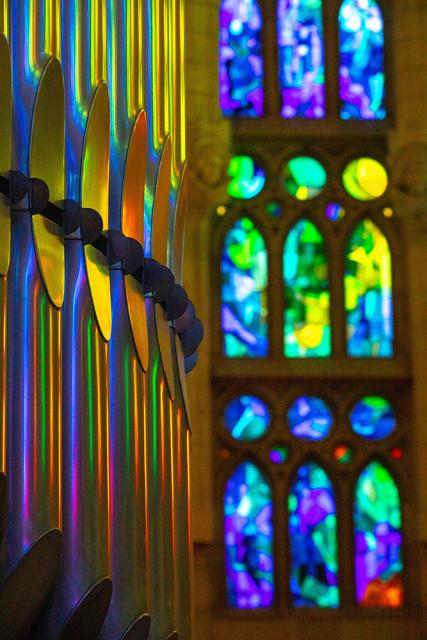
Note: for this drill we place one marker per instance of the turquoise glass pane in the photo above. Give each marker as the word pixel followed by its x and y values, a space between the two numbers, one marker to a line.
pixel 247 179
pixel 248 532
pixel 247 418
pixel 301 58
pixel 361 34
pixel 303 177
pixel 378 539
pixel 310 418
pixel 244 272
pixel 307 331
pixel 373 418
pixel 241 73
pixel 313 539
pixel 368 293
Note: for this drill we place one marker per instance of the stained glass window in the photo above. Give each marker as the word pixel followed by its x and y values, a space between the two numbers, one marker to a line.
pixel 240 58
pixel 301 58
pixel 310 418
pixel 303 177
pixel 378 539
pixel 365 179
pixel 307 330
pixel 373 418
pixel 244 274
pixel 247 418
pixel 248 539
pixel 334 211
pixel 368 293
pixel 313 539
pixel 247 179
pixel 361 34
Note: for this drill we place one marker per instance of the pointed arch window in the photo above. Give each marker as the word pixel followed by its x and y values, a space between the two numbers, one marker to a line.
pixel 378 539
pixel 313 539
pixel 307 330
pixel 244 272
pixel 248 538
pixel 301 58
pixel 368 293
pixel 361 71
pixel 241 68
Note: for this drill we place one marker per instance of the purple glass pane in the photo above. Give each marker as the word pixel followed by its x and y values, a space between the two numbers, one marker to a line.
pixel 248 539
pixel 240 59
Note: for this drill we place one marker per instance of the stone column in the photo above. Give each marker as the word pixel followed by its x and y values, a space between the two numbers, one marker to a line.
pixel 409 197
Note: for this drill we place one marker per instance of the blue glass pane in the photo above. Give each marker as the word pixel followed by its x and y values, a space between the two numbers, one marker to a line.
pixel 301 58
pixel 373 418
pixel 378 539
pixel 361 33
pixel 248 539
pixel 247 418
pixel 368 293
pixel 240 58
pixel 244 273
pixel 310 418
pixel 313 539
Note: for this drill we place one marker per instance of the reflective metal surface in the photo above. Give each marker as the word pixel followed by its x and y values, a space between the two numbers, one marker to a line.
pixel 133 226
pixel 159 247
pixel 179 226
pixel 5 149
pixel 94 193
pixel 47 163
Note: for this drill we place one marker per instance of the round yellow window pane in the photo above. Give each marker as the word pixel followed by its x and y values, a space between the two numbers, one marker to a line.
pixel 365 179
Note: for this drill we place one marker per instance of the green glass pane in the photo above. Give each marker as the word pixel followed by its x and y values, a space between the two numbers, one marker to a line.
pixel 365 179
pixel 303 177
pixel 246 178
pixel 307 331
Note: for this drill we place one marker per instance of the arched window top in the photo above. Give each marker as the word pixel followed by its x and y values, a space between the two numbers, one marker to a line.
pixel 301 58
pixel 368 293
pixel 307 331
pixel 378 539
pixel 244 272
pixel 313 539
pixel 248 537
pixel 362 73
pixel 241 72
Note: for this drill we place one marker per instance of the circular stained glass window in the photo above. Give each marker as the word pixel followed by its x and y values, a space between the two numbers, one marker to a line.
pixel 310 418
pixel 279 453
pixel 343 453
pixel 334 211
pixel 373 418
pixel 247 418
pixel 273 209
pixel 247 179
pixel 365 179
pixel 303 177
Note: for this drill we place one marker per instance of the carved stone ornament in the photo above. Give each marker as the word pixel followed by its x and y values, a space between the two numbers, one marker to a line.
pixel 409 185
pixel 209 155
